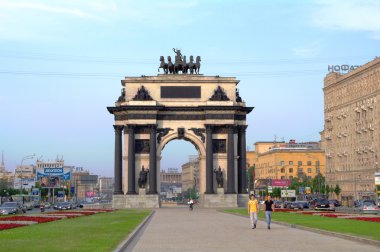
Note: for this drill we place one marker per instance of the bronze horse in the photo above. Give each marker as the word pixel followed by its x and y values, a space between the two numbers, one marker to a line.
pixel 180 64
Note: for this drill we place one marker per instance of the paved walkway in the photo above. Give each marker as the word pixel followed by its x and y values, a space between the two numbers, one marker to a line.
pixel 178 229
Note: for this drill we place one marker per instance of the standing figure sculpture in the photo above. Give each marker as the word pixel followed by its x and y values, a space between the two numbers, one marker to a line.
pixel 219 177
pixel 143 177
pixel 163 65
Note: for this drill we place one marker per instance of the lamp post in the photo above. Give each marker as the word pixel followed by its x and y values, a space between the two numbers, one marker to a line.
pixel 20 175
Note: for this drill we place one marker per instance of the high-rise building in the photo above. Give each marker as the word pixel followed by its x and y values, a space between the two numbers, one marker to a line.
pixel 351 129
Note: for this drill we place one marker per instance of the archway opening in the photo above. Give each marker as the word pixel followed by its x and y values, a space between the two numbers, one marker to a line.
pixel 179 173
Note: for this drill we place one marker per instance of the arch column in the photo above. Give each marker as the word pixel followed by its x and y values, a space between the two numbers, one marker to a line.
pixel 209 160
pixel 242 161
pixel 130 130
pixel 118 171
pixel 230 159
pixel 153 160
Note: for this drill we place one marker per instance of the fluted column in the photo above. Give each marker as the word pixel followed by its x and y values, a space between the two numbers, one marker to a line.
pixel 209 160
pixel 230 160
pixel 131 159
pixel 153 160
pixel 118 186
pixel 242 161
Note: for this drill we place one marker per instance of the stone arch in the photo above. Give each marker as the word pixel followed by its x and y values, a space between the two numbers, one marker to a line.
pixel 190 137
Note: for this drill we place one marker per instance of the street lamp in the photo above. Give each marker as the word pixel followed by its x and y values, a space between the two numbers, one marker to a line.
pixel 20 175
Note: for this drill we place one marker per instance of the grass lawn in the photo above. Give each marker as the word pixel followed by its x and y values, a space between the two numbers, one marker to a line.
pixel 365 229
pixel 99 232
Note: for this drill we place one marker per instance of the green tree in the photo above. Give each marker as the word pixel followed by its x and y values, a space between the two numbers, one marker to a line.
pixel 337 190
pixel 318 184
pixel 251 178
pixel 327 189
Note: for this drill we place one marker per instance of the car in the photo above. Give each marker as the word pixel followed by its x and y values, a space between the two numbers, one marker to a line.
pixel 36 204
pixel 368 207
pixel 296 205
pixel 278 204
pixel 63 206
pixel 305 204
pixel 46 205
pixel 324 204
pixel 12 208
pixel 335 202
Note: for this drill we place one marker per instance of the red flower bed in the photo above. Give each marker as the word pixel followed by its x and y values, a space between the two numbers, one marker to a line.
pixel 73 212
pixel 10 225
pixel 285 210
pixel 308 213
pixel 371 219
pixel 31 218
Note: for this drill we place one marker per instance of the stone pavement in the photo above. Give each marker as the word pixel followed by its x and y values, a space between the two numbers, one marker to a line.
pixel 178 229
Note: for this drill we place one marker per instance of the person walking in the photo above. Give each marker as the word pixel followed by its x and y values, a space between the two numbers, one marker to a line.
pixel 269 209
pixel 253 210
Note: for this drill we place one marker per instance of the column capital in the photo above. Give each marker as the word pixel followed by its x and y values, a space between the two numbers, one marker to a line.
pixel 209 127
pixel 231 128
pixel 118 127
pixel 152 127
pixel 129 127
pixel 242 128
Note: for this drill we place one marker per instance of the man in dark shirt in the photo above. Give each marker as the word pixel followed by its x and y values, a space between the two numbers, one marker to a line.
pixel 269 208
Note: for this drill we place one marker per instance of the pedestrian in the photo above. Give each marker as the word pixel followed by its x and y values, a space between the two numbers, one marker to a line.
pixel 253 210
pixel 269 209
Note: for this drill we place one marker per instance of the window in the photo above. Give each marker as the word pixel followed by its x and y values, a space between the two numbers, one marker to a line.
pixel 290 162
pixel 317 163
pixel 282 170
pixel 308 170
pixel 318 170
pixel 282 177
pixel 308 162
pixel 290 177
pixel 290 170
pixel 282 163
pixel 309 177
pixel 299 162
pixel 300 170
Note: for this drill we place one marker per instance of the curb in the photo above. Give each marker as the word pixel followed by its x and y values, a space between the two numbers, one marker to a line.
pixel 320 231
pixel 127 241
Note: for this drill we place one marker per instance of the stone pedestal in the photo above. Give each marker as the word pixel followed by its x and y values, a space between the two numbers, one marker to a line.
pixel 218 200
pixel 242 200
pixel 141 200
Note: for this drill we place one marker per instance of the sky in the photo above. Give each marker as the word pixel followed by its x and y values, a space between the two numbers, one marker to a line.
pixel 61 63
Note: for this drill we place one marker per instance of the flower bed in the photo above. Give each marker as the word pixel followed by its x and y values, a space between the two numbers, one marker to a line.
pixel 10 225
pixel 371 219
pixel 32 218
pixel 73 213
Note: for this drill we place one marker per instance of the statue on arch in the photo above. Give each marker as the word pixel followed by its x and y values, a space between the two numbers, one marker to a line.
pixel 219 177
pixel 143 177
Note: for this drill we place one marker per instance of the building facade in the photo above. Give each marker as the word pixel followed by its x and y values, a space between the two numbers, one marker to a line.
pixel 351 129
pixel 287 160
pixel 190 174
pixel 171 183
pixel 106 185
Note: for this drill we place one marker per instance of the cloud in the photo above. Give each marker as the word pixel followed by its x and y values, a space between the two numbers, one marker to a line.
pixel 349 15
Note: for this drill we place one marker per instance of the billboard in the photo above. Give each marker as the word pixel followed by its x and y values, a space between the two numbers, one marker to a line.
pixel 281 182
pixel 377 178
pixel 52 177
pixel 288 193
pixel 24 183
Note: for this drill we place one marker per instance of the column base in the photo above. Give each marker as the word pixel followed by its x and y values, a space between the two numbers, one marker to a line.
pixel 135 201
pixel 118 193
pixel 218 200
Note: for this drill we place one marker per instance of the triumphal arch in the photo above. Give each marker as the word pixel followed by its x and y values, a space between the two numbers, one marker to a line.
pixel 180 104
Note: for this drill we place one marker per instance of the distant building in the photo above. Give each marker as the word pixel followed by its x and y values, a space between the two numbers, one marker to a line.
pixel 7 177
pixel 170 183
pixel 352 129
pixel 85 185
pixel 280 160
pixel 106 185
pixel 190 174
